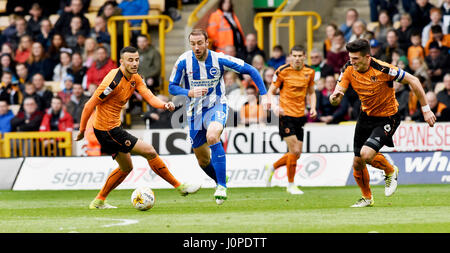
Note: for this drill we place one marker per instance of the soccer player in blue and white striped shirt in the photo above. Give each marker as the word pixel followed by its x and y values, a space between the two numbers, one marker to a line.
pixel 198 75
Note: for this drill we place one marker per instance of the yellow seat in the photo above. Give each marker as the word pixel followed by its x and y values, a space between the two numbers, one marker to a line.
pixel 91 17
pixel 157 5
pixel 53 86
pixel 53 18
pixel 95 5
pixel 4 22
pixel 3 6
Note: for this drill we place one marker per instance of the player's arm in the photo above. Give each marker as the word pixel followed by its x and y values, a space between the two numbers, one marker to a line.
pixel 313 101
pixel 86 114
pixel 153 100
pixel 177 76
pixel 338 94
pixel 416 86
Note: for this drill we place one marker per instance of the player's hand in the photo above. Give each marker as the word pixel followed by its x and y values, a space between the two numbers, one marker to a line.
pixel 266 103
pixel 312 113
pixel 336 97
pixel 198 92
pixel 169 106
pixel 80 136
pixel 430 118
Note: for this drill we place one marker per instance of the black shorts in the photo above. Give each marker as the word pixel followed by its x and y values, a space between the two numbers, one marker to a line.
pixel 115 140
pixel 374 132
pixel 292 126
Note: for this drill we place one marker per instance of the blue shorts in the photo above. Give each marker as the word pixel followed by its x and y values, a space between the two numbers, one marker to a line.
pixel 199 123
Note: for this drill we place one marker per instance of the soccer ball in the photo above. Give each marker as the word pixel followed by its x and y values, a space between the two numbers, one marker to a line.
pixel 143 198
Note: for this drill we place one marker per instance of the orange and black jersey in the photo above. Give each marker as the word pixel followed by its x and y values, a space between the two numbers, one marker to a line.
pixel 110 98
pixel 293 86
pixel 374 86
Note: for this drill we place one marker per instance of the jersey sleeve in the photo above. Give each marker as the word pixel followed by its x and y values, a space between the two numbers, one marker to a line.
pixel 311 78
pixel 107 86
pixel 277 79
pixel 344 78
pixel 396 74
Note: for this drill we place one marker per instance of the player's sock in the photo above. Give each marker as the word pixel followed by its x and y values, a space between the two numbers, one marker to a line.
pixel 160 168
pixel 209 170
pixel 281 162
pixel 114 179
pixel 218 161
pixel 291 166
pixel 362 179
pixel 380 162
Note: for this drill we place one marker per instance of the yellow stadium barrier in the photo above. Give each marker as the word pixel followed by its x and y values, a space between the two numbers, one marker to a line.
pixel 19 144
pixel 259 26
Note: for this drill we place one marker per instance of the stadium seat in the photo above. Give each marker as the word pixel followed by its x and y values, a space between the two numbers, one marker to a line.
pixel 4 22
pixel 372 26
pixel 53 18
pixel 91 17
pixel 14 108
pixel 3 6
pixel 95 5
pixel 53 86
pixel 157 5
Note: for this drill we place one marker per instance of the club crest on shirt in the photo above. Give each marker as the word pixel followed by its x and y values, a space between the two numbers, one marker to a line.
pixel 127 143
pixel 133 83
pixel 213 71
pixel 373 78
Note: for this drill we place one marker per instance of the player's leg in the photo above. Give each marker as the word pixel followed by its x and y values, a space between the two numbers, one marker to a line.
pixel 159 167
pixel 218 159
pixel 114 179
pixel 284 130
pixel 295 150
pixel 203 156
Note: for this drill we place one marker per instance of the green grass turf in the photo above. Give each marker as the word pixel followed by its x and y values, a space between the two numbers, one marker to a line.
pixel 413 209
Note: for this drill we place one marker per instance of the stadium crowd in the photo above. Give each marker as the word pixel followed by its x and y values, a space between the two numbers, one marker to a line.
pixel 412 34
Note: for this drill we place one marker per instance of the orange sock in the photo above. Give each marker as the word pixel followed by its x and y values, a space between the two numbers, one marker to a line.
pixel 291 165
pixel 380 162
pixel 160 168
pixel 282 161
pixel 114 179
pixel 362 179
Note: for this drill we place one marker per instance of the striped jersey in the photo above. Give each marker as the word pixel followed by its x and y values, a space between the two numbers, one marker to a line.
pixel 188 72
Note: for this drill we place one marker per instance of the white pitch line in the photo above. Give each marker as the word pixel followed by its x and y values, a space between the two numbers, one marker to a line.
pixel 122 222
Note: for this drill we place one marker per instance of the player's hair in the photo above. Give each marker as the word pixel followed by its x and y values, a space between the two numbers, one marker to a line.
pixel 359 45
pixel 128 49
pixel 198 32
pixel 298 48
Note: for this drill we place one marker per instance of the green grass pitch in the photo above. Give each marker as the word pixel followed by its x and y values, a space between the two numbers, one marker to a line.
pixel 413 209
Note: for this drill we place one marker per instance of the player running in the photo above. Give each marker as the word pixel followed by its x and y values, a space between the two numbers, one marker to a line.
pixel 198 75
pixel 378 120
pixel 109 99
pixel 295 80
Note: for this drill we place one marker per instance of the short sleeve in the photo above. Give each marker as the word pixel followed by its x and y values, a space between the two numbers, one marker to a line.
pixel 344 78
pixel 277 79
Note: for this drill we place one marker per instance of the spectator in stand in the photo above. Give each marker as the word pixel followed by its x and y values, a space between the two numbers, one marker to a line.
pixel 224 29
pixel 438 63
pixel 33 23
pixel 8 91
pixel 375 49
pixel 445 9
pixel 45 95
pixel 420 13
pixel 404 31
pixel 436 19
pixel 101 66
pixel 321 68
pixel 252 112
pixel 338 55
pixel 65 6
pixel 159 118
pixel 376 6
pixel 58 42
pixel 60 70
pixel 109 9
pixel 402 96
pixel 8 64
pixel 90 45
pixel 30 91
pixel 18 7
pixel 444 95
pixel 56 118
pixel 330 31
pixel 72 34
pixel 10 30
pixel 383 26
pixel 252 49
pixel 326 112
pixel 76 104
pixel 66 92
pixel 390 46
pixel 268 76
pixel 62 25
pixel 22 75
pixel 7 49
pixel 278 57
pixel 20 30
pixel 420 70
pixel 134 8
pixel 437 36
pixel 230 50
pixel 45 33
pixel 77 70
pixel 149 63
pixel 259 64
pixel 416 50
pixel 29 119
pixel 100 32
pixel 351 16
pixel 5 117
pixel 358 31
pixel 24 49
